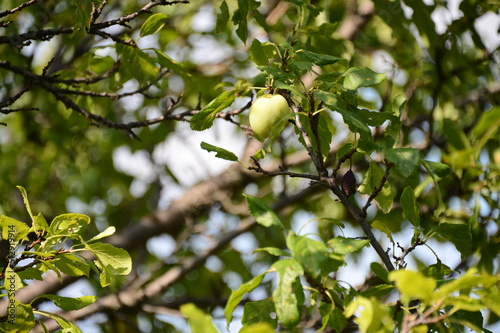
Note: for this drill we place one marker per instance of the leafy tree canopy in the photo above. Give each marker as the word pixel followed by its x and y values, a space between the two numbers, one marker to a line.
pixel 372 206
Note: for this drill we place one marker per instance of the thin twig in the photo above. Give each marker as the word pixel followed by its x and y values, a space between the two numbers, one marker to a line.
pixel 18 8
pixel 305 137
pixel 379 188
pixel 282 172
pixel 362 221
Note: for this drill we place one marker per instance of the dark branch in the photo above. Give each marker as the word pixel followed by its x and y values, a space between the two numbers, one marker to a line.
pixel 18 8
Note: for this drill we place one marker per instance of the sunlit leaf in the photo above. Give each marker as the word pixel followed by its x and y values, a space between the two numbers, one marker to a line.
pixel 313 255
pixel 361 77
pixel 237 295
pixel 199 321
pixel 273 251
pixel 13 229
pixel 153 24
pixel 345 245
pixel 106 233
pixel 205 118
pixel 413 285
pixel 69 303
pixel 111 261
pixel 288 296
pixel 262 213
pixel 220 152
pixel 373 316
pixel 439 169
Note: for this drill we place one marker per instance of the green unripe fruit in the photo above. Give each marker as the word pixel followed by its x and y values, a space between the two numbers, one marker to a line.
pixel 266 112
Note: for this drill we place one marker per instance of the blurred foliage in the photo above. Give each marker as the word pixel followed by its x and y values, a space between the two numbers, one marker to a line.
pixel 439 97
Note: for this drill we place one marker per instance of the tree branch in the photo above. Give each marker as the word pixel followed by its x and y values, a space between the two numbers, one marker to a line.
pixel 132 297
pixel 18 8
pixel 362 221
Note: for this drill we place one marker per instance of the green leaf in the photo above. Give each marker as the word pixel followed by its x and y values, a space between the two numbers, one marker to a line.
pixel 141 65
pixel 287 269
pixel 167 62
pixel 455 135
pixel 273 251
pixel 345 149
pixel 11 282
pixel 472 319
pixel 111 261
pixel 380 271
pixel 335 222
pixel 379 225
pixel 325 136
pixel 258 328
pixel 372 180
pixel 345 245
pixel 470 279
pixel 262 213
pixel 222 18
pixel 374 118
pixel 437 271
pixel 398 104
pixel 377 291
pixel 373 317
pixel 23 321
pixel 260 154
pixel 40 223
pixel 288 297
pixel 361 77
pixel 258 54
pixel 410 207
pixel 237 295
pixel 101 65
pixel 413 285
pixel 332 316
pixel 291 88
pixel 240 19
pixel 81 18
pixel 259 312
pixel 220 152
pixel 205 118
pixel 313 255
pixel 66 325
pixel 318 59
pixel 439 169
pixel 106 233
pixel 356 124
pixel 486 127
pixel 351 118
pixel 199 321
pixel 367 147
pixel 70 265
pixel 70 223
pixel 153 24
pixel 13 229
pixel 406 160
pixel 26 203
pixel 69 303
pixel 459 234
